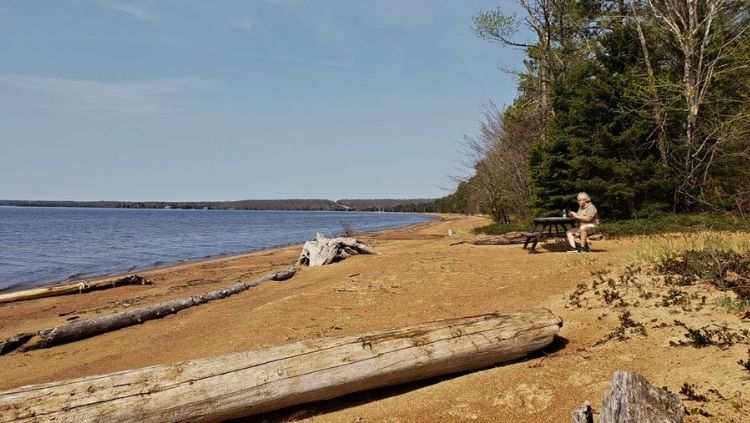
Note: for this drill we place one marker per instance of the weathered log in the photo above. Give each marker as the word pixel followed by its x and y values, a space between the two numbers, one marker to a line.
pixel 633 399
pixel 72 288
pixel 322 250
pixel 499 240
pixel 91 327
pixel 247 383
pixel 496 240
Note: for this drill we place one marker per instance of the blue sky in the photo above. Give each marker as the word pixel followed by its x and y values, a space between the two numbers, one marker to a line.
pixel 225 100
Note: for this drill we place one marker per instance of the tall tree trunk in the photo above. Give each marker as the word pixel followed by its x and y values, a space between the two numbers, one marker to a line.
pixel 660 117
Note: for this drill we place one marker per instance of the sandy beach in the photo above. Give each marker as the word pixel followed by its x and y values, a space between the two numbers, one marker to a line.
pixel 420 275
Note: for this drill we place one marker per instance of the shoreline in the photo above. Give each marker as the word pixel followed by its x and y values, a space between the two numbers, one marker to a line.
pixel 23 286
pixel 419 275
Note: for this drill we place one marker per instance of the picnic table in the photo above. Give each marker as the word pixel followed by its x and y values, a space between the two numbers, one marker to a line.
pixel 547 227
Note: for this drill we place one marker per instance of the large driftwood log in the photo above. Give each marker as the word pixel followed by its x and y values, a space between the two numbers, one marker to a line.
pixel 91 327
pixel 248 383
pixel 504 239
pixel 633 399
pixel 72 288
pixel 322 250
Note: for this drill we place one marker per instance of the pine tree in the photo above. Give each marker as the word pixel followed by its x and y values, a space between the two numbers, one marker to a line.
pixel 593 143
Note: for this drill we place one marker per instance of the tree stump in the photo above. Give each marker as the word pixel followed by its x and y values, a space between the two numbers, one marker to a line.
pixel 322 250
pixel 584 414
pixel 633 399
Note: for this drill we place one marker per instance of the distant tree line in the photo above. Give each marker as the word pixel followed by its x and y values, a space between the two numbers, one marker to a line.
pixel 384 205
pixel 645 104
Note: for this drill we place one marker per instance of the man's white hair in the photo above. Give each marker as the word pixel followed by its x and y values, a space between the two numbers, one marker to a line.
pixel 584 196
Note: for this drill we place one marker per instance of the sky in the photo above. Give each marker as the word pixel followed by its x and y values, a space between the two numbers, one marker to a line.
pixel 182 100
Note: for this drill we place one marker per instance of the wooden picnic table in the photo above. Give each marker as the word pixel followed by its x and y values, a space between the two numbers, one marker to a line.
pixel 560 225
pixel 548 227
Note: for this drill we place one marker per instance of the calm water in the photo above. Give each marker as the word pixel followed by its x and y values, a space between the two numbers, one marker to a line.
pixel 42 245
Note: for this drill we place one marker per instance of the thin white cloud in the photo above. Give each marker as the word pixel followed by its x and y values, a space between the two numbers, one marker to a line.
pixel 140 97
pixel 309 61
pixel 131 10
pixel 245 24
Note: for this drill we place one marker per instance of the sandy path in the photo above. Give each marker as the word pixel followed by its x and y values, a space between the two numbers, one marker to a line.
pixel 417 277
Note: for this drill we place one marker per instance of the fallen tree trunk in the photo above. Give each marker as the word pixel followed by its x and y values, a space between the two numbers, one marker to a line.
pixel 247 383
pixel 72 288
pixel 322 250
pixel 90 327
pixel 504 239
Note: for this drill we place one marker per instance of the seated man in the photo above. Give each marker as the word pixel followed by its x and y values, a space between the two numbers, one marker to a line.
pixel 588 222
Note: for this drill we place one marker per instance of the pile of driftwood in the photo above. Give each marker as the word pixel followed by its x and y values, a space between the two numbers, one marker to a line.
pixel 90 327
pixel 322 250
pixel 318 252
pixel 247 383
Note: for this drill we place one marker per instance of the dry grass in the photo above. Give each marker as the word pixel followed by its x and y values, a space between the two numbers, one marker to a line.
pixel 667 246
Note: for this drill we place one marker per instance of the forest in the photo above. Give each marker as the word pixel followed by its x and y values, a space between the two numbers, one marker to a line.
pixel 644 104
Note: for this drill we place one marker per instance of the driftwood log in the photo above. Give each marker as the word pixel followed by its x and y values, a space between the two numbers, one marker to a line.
pixel 322 250
pixel 247 383
pixel 504 239
pixel 72 288
pixel 95 326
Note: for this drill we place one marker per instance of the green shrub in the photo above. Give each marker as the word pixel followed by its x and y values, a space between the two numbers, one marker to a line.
pixel 725 268
pixel 650 222
pixel 660 223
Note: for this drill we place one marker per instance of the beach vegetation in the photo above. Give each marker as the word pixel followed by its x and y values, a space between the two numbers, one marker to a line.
pixel 732 305
pixel 347 229
pixel 745 363
pixel 654 224
pixel 719 258
pixel 718 335
pixel 691 393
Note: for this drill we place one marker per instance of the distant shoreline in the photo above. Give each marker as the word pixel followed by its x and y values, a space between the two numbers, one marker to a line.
pixel 417 205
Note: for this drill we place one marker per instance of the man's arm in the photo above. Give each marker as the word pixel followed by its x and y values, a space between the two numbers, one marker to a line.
pixel 582 218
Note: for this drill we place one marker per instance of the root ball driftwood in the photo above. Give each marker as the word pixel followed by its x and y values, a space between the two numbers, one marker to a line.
pixel 322 250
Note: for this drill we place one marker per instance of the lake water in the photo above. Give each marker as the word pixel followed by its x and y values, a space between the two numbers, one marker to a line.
pixel 42 245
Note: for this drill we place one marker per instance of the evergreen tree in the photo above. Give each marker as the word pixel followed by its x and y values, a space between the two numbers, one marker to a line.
pixel 593 143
